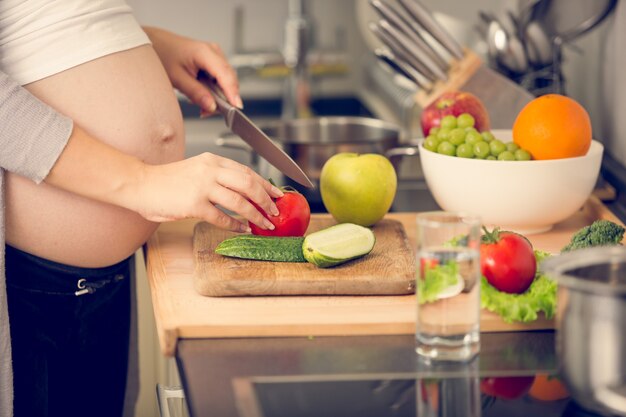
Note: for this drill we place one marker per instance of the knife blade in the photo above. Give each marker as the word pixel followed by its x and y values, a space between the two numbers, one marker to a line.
pixel 243 127
pixel 422 15
pixel 418 54
pixel 394 15
pixel 401 68
pixel 398 50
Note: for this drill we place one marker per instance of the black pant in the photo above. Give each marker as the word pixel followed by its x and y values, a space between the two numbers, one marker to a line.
pixel 70 353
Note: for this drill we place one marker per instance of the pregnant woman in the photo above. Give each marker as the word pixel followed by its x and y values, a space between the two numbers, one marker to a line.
pixel 67 255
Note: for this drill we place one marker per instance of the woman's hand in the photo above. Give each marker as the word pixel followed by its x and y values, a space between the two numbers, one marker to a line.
pixel 183 58
pixel 193 187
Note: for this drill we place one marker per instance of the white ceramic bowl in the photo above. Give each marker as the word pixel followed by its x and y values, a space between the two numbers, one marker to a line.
pixel 525 196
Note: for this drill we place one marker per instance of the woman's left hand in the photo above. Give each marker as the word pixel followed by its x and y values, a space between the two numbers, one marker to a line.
pixel 183 58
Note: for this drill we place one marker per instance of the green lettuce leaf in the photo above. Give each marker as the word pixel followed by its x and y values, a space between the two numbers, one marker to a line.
pixel 525 307
pixel 437 279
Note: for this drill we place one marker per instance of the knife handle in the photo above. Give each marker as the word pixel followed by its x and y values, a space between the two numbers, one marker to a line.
pixel 223 106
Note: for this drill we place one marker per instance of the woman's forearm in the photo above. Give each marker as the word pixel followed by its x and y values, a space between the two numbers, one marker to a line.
pixel 93 169
pixel 191 188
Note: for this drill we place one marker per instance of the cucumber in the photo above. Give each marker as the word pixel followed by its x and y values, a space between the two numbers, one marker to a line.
pixel 338 244
pixel 263 248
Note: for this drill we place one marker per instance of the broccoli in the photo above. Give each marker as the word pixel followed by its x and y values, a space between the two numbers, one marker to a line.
pixel 599 233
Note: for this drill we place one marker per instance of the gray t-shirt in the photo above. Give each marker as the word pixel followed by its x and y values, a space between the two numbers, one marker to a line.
pixel 32 136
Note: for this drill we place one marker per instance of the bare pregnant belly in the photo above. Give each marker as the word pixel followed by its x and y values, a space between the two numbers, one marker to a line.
pixel 125 100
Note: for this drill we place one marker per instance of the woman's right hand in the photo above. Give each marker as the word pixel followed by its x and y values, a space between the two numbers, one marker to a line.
pixel 192 188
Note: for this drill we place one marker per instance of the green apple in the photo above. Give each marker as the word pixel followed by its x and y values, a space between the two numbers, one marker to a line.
pixel 358 188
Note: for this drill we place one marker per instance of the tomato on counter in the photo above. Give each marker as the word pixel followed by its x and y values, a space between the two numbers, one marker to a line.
pixel 293 218
pixel 507 261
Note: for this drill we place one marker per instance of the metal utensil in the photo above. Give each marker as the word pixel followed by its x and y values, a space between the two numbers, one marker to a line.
pixel 239 124
pixel 417 53
pixel 569 19
pixel 591 318
pixel 399 50
pixel 423 16
pixel 504 45
pixel 391 13
pixel 502 97
pixel 401 67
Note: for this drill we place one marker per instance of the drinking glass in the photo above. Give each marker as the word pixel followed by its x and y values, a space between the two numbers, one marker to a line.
pixel 448 286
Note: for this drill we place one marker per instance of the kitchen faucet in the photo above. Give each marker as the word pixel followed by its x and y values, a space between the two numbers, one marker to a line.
pixel 297 93
pixel 293 61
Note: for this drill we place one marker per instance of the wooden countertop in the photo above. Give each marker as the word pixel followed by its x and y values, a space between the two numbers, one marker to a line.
pixel 181 312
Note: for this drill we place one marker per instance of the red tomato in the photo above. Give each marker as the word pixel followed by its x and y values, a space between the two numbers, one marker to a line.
pixel 508 388
pixel 507 261
pixel 293 218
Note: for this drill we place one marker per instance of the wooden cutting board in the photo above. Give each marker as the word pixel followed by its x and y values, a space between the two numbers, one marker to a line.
pixel 181 312
pixel 388 270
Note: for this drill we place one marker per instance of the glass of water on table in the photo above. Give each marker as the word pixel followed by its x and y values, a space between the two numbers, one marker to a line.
pixel 448 286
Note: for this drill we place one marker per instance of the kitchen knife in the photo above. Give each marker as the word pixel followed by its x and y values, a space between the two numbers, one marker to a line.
pixel 239 124
pixel 401 68
pixel 432 27
pixel 399 51
pixel 391 13
pixel 418 54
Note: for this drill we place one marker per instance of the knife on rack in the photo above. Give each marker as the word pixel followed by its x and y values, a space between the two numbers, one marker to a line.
pixel 502 97
pixel 419 55
pixel 243 127
pixel 423 16
pixel 399 66
pixel 399 51
pixel 396 17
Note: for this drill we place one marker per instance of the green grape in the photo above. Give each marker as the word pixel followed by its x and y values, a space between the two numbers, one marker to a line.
pixel 491 158
pixel 448 121
pixel 431 143
pixel 472 138
pixel 434 130
pixel 457 136
pixel 446 148
pixel 496 147
pixel 488 136
pixel 471 129
pixel 444 133
pixel 464 150
pixel 465 120
pixel 512 147
pixel 522 155
pixel 481 149
pixel 506 156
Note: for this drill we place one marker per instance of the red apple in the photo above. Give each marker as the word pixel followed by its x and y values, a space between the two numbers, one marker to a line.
pixel 455 103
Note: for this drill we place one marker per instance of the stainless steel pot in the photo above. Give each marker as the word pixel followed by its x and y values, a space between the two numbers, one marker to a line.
pixel 311 142
pixel 591 325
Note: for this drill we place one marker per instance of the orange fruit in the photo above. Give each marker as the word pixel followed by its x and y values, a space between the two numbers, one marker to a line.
pixel 548 388
pixel 553 127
